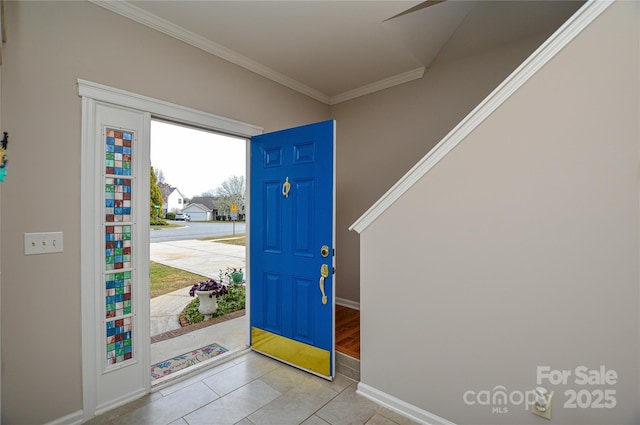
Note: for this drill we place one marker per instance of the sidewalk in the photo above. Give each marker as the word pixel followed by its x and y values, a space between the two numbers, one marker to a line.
pixel 206 258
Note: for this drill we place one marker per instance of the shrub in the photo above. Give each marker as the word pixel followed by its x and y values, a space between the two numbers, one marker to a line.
pixel 234 300
pixel 191 313
pixel 171 216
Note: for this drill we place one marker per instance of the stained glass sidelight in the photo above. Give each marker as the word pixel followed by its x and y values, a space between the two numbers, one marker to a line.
pixel 117 247
pixel 118 294
pixel 118 152
pixel 119 341
pixel 118 282
pixel 118 200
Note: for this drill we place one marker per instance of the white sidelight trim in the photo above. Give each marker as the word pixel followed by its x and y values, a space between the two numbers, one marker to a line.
pixel 88 273
pixel 93 95
pixel 104 389
pixel 166 110
pixel 247 245
pixel 554 44
pixel 410 411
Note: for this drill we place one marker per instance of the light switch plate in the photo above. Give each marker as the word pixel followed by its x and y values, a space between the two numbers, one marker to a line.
pixel 43 243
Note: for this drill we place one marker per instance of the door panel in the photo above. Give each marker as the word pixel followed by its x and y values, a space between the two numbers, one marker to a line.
pixel 271 216
pixel 303 218
pixel 120 284
pixel 272 293
pixel 292 217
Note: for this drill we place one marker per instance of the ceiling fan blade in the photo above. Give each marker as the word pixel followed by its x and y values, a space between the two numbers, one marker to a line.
pixel 420 6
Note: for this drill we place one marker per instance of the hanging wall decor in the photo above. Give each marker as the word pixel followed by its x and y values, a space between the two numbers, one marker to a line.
pixel 3 156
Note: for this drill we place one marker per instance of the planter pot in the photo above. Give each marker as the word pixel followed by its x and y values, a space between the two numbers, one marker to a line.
pixel 237 277
pixel 208 305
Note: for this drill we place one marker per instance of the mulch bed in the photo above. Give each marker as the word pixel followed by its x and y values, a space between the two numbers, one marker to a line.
pixel 186 328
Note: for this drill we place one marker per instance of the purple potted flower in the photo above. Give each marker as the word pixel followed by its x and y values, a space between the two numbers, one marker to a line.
pixel 207 292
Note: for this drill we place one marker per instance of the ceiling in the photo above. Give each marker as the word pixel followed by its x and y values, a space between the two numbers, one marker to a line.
pixel 338 50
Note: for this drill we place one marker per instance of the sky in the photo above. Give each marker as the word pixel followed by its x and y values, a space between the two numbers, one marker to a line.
pixel 195 161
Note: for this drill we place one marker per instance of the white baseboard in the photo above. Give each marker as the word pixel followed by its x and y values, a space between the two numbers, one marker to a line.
pixel 410 411
pixel 74 418
pixel 120 401
pixel 348 303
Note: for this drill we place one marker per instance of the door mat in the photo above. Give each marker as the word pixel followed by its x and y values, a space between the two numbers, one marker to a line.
pixel 175 364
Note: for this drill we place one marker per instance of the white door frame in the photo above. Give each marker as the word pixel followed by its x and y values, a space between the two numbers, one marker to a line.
pixel 90 93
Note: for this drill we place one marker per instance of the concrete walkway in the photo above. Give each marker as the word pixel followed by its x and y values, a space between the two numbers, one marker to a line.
pixel 206 258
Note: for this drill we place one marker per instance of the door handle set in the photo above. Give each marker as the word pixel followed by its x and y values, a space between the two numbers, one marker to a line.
pixel 324 273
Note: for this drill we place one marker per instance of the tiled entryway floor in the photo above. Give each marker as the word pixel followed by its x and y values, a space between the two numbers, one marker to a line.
pixel 254 389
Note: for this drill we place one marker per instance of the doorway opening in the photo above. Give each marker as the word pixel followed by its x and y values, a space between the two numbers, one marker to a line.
pixel 197 234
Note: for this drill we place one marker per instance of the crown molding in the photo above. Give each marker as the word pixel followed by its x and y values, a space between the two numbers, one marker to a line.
pixel 398 79
pixel 547 51
pixel 136 14
pixel 126 9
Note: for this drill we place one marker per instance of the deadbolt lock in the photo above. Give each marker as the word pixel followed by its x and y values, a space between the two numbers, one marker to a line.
pixel 324 251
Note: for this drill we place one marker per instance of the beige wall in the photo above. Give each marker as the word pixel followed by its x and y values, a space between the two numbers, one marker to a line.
pixel 523 249
pixel 51 44
pixel 383 135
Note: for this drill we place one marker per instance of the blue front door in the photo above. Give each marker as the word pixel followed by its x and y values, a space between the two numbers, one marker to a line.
pixel 291 247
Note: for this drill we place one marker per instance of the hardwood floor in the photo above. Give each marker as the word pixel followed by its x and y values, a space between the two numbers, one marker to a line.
pixel 348 331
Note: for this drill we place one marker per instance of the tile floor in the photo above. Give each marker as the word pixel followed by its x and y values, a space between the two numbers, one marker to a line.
pixel 254 389
pixel 230 334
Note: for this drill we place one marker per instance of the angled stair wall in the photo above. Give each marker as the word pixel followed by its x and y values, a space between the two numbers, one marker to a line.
pixel 516 248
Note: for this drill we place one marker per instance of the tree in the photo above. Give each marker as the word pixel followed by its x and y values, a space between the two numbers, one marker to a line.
pixel 155 198
pixel 232 191
pixel 165 188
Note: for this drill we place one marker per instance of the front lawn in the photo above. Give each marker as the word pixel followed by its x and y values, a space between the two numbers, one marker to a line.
pixel 166 225
pixel 238 239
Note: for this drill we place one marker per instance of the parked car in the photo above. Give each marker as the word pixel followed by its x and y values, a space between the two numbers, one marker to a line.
pixel 183 217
